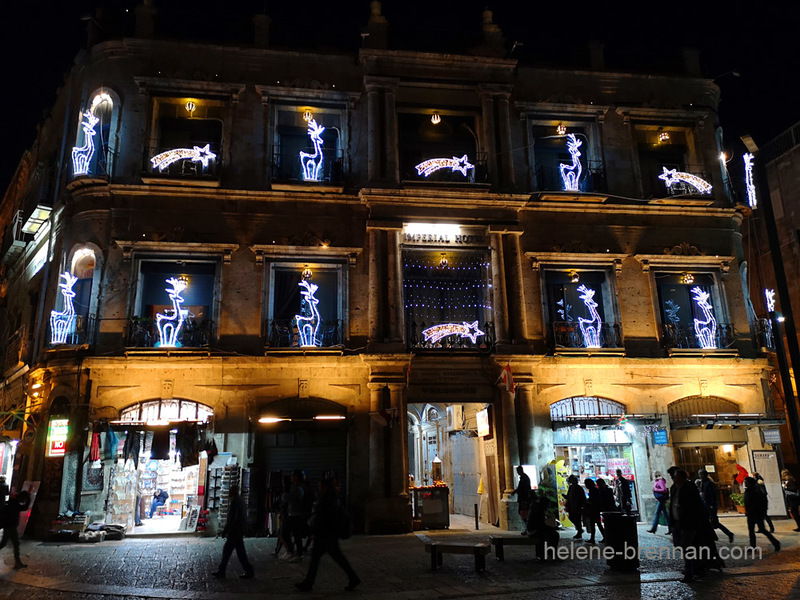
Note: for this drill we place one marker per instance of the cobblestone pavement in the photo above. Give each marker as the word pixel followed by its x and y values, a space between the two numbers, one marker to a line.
pixel 393 567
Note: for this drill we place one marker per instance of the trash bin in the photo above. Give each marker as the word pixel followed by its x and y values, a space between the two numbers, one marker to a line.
pixel 623 537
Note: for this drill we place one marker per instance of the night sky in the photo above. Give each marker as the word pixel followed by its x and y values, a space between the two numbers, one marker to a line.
pixel 756 40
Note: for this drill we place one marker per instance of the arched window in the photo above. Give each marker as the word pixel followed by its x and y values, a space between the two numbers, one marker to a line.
pixel 584 406
pixel 83 263
pixel 684 409
pixel 93 151
pixel 167 410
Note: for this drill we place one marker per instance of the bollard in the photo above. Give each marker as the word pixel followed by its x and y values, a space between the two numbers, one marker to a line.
pixel 476 516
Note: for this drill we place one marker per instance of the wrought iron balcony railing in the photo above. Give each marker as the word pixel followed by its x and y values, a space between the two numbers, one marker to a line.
pixel 459 337
pixel 684 336
pixel 283 333
pixel 82 332
pixel 765 337
pixel 143 333
pixel 568 334
pixel 325 170
pixel 592 180
pixel 200 160
pixel 15 351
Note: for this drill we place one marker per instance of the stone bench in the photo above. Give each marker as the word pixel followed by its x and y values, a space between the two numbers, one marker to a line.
pixel 437 549
pixel 499 542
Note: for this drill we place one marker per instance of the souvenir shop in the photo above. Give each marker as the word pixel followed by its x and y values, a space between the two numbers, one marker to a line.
pixel 161 452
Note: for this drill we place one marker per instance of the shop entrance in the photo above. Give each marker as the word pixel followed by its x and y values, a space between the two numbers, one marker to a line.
pixel 446 452
pixel 720 462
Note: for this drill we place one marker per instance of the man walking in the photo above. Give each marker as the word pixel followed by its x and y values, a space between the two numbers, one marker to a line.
pixel 708 491
pixel 755 506
pixel 234 530
pixel 9 521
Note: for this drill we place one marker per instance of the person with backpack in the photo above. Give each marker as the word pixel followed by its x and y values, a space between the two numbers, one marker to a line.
pixel 328 524
pixel 9 521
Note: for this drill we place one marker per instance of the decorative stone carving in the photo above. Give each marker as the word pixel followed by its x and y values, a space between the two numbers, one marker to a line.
pixel 684 249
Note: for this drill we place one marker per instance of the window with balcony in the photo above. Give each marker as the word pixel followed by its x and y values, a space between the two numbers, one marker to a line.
pixel 565 159
pixel 72 321
pixel 186 138
pixel 174 305
pixel 440 148
pixel 308 145
pixel 447 296
pixel 581 310
pixel 305 305
pixel 691 312
pixel 93 152
pixel 667 164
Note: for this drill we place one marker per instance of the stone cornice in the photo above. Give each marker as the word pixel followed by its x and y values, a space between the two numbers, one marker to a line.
pixel 311 253
pixel 129 248
pixel 676 261
pixel 575 259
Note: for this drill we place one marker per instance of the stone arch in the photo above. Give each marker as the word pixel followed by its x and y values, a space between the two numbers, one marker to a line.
pixel 683 409
pixel 85 261
pixel 105 104
pixel 172 409
pixel 301 409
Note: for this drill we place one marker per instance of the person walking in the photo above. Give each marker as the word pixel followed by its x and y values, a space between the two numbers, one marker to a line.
pixel 792 494
pixel 708 492
pixel 523 493
pixel 9 521
pixel 296 516
pixel 661 495
pixel 325 523
pixel 537 528
pixel 607 503
pixel 4 491
pixel 763 487
pixel 592 510
pixel 622 491
pixel 233 531
pixel 755 508
pixel 574 505
pixel 691 529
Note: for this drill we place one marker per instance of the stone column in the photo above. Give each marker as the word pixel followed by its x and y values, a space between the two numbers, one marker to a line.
pixel 499 299
pixel 373 134
pixel 392 166
pixel 394 270
pixel 399 436
pixel 505 164
pixel 376 445
pixel 517 315
pixel 489 139
pixel 375 312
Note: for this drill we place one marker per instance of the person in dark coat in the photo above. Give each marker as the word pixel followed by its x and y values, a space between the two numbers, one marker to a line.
pixel 592 510
pixel 523 493
pixel 763 487
pixel 607 503
pixel 9 521
pixel 708 491
pixel 543 535
pixel 234 530
pixel 691 530
pixel 755 507
pixel 574 505
pixel 792 494
pixel 4 491
pixel 159 499
pixel 622 491
pixel 325 523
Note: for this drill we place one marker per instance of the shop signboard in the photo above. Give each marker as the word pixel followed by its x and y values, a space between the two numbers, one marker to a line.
pixel 660 437
pixel 57 433
pixel 772 436
pixel 482 417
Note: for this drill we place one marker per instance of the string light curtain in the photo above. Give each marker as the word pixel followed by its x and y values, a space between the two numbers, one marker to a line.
pixel 453 291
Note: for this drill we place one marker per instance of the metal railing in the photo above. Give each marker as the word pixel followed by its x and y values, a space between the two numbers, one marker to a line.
pixel 283 333
pixel 683 335
pixel 765 338
pixel 143 333
pixel 593 178
pixel 455 341
pixel 191 164
pixel 287 166
pixel 568 334
pixel 82 332
pixel 479 173
pixel 15 350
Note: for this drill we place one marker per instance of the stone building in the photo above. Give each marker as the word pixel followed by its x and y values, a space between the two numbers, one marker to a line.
pixel 339 262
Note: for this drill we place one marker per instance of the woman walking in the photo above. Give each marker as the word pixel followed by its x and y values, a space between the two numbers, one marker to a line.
pixel 661 493
pixel 592 511
pixel 574 505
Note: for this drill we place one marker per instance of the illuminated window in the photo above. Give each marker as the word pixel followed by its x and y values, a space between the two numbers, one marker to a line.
pixel 308 145
pixel 691 315
pixel 94 150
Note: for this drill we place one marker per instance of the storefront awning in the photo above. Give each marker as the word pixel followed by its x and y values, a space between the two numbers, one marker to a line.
pixel 603 421
pixel 719 420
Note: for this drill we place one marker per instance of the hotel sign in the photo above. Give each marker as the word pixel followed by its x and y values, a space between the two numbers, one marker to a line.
pixel 443 234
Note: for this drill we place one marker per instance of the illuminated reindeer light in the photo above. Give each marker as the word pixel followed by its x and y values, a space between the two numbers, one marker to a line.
pixel 571 174
pixel 312 163
pixel 61 322
pixel 706 331
pixel 591 333
pixel 170 325
pixel 82 155
pixel 308 324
